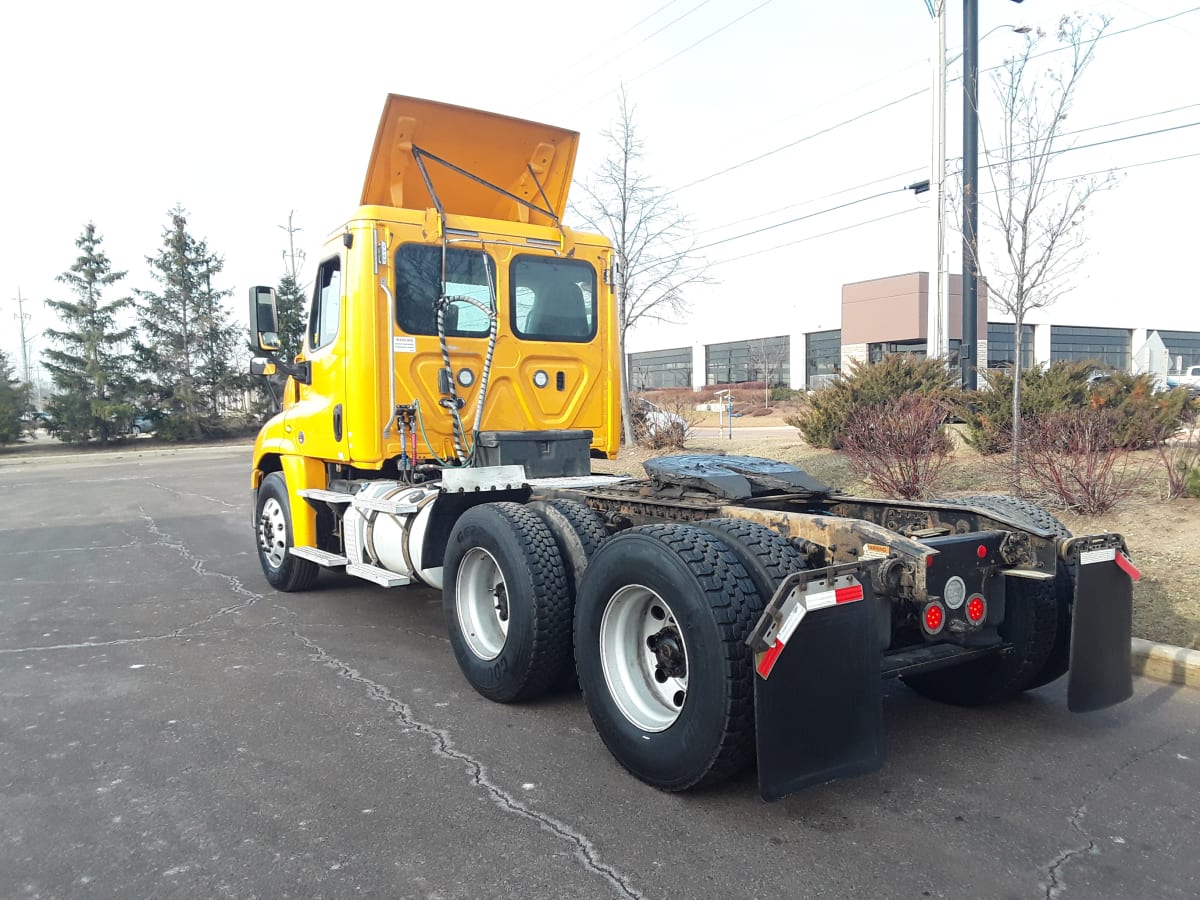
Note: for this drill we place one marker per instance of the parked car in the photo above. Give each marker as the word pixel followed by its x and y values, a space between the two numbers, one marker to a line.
pixel 653 417
pixel 141 425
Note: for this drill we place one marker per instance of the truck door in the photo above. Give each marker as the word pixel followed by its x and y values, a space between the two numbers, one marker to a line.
pixel 317 420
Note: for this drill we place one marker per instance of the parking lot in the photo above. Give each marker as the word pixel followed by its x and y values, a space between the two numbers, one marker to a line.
pixel 172 727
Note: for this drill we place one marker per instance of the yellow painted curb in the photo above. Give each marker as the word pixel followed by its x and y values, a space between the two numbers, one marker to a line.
pixel 1162 662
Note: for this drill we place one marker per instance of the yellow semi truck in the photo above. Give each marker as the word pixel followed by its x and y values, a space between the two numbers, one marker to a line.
pixel 459 372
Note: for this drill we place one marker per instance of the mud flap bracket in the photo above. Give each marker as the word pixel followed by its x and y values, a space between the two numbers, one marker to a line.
pixel 1100 673
pixel 817 686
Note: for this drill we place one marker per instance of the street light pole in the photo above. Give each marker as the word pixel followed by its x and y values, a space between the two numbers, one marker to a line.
pixel 970 269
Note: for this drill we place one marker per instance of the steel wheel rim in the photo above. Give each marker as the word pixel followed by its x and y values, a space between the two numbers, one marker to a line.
pixel 272 533
pixel 650 695
pixel 481 602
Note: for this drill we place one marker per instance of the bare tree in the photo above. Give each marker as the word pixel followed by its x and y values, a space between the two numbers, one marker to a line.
pixel 1037 219
pixel 767 357
pixel 652 238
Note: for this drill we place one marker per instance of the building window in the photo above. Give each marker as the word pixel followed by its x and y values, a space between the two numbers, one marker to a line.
pixel 762 359
pixel 1183 348
pixel 822 356
pixel 1111 346
pixel 1001 348
pixel 661 369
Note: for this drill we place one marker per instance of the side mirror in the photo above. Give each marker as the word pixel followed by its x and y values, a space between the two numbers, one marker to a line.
pixel 261 365
pixel 264 321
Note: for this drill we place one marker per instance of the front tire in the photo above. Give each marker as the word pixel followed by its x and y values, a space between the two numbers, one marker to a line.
pixel 507 606
pixel 273 528
pixel 660 627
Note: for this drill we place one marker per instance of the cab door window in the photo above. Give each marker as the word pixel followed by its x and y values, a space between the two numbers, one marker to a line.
pixel 326 312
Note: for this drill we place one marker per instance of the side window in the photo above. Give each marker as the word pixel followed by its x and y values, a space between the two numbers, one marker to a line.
pixel 327 305
pixel 419 283
pixel 553 299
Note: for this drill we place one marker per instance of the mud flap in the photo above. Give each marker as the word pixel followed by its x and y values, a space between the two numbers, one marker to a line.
pixel 817 689
pixel 1100 673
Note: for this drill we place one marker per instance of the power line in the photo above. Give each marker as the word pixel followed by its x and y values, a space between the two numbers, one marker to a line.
pixel 617 56
pixel 813 237
pixel 675 55
pixel 791 144
pixel 780 209
pixel 915 209
pixel 702 40
pixel 908 97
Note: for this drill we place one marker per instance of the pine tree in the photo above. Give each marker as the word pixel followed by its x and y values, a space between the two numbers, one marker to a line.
pixel 290 304
pixel 14 403
pixel 90 366
pixel 190 347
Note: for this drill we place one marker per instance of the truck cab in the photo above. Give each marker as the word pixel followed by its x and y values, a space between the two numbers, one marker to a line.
pixel 452 304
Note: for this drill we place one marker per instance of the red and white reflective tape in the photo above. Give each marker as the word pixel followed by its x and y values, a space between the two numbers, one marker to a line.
pixel 1110 554
pixel 816 600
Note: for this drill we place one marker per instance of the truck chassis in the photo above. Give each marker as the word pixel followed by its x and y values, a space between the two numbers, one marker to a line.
pixel 727 609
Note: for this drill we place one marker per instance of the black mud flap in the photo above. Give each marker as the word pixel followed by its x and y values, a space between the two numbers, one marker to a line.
pixel 1100 673
pixel 817 689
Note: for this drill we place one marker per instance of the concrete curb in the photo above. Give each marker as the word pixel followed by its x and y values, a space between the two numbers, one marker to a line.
pixel 1165 663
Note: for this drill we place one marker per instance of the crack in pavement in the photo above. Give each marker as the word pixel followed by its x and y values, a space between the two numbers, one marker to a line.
pixel 198 566
pixel 178 493
pixel 1054 885
pixel 585 850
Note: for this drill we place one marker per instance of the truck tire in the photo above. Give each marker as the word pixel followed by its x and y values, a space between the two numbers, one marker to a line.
pixel 765 555
pixel 579 533
pixel 1033 624
pixel 507 606
pixel 1064 578
pixel 273 535
pixel 660 627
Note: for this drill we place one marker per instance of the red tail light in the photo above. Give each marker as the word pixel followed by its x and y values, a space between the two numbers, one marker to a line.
pixel 933 618
pixel 976 609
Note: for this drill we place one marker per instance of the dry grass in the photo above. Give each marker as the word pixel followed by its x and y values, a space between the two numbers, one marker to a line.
pixel 1163 535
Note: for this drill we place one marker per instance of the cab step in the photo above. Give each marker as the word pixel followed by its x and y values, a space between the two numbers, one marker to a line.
pixel 327 496
pixel 317 555
pixel 381 577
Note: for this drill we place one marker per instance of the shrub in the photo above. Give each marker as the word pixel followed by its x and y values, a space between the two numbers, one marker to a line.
pixel 781 394
pixel 1181 460
pixel 829 411
pixel 1142 415
pixel 1073 457
pixel 901 447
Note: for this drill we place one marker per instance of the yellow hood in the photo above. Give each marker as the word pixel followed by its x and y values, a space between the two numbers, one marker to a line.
pixel 496 148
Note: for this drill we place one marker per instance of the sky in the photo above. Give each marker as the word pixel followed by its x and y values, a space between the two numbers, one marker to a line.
pixel 247 112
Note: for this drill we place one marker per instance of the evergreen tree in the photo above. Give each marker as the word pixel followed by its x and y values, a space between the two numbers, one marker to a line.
pixel 90 366
pixel 290 304
pixel 190 346
pixel 14 403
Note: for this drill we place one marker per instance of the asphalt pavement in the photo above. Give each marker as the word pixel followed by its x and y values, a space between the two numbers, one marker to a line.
pixel 172 727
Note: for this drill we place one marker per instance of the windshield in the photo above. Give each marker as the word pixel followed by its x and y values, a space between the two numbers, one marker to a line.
pixel 553 299
pixel 419 282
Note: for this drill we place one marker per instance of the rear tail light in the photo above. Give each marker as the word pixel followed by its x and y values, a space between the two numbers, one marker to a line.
pixel 933 617
pixel 976 609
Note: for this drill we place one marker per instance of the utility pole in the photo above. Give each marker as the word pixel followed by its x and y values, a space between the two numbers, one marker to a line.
pixel 22 317
pixel 938 306
pixel 290 255
pixel 970 190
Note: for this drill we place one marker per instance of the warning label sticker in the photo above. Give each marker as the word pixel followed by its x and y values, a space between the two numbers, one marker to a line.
pixel 875 551
pixel 404 344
